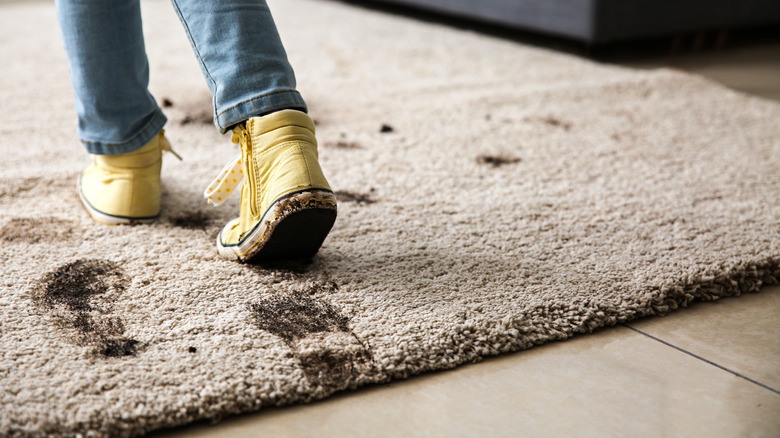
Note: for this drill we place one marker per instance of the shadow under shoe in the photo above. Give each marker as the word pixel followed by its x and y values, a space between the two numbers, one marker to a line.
pixel 287 205
pixel 124 189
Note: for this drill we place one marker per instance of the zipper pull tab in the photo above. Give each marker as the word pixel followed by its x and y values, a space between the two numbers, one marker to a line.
pixel 239 134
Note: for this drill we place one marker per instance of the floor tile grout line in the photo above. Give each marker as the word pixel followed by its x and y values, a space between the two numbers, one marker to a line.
pixel 702 359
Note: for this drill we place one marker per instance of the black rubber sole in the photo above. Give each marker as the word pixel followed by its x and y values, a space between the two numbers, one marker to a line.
pixel 297 236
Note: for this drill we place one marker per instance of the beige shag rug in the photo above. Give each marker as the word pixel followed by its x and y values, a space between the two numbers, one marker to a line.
pixel 494 197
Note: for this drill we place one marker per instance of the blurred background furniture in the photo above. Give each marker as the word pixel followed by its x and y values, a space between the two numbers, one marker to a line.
pixel 601 21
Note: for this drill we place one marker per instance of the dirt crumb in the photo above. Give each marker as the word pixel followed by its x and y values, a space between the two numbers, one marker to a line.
pixel 200 117
pixel 497 160
pixel 556 122
pixel 386 128
pixel 359 198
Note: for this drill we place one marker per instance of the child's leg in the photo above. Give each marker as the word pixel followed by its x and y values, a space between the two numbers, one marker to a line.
pixel 119 121
pixel 242 58
pixel 110 74
pixel 287 206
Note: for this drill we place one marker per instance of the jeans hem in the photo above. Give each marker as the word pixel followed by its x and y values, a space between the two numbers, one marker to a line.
pixel 137 141
pixel 257 106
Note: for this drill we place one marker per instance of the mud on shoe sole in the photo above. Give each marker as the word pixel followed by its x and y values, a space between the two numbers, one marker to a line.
pixel 293 228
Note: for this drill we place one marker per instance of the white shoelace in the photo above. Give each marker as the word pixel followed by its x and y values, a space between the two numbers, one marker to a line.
pixel 166 146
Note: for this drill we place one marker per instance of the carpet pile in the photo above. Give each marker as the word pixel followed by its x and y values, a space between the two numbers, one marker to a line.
pixel 493 197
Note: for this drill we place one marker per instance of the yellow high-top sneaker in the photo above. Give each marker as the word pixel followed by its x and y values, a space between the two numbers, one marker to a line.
pixel 124 189
pixel 287 206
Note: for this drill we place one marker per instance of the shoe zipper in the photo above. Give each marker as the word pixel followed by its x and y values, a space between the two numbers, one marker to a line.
pixel 245 141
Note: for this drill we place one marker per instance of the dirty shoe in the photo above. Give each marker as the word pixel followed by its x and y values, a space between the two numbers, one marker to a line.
pixel 287 206
pixel 124 189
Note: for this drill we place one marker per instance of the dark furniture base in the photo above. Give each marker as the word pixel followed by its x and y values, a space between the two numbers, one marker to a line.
pixel 597 21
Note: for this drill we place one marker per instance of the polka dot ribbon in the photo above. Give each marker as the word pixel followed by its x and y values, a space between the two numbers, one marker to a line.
pixel 227 183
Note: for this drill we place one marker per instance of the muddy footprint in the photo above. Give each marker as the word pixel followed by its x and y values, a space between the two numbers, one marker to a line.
pixel 37 186
pixel 38 230
pixel 330 354
pixel 80 297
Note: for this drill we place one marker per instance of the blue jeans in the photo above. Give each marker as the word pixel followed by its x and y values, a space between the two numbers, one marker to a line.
pixel 236 42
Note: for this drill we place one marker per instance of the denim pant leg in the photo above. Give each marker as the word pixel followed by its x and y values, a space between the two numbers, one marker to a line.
pixel 242 58
pixel 110 74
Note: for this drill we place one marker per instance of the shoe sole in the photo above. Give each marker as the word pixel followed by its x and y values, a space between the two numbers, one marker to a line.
pixel 296 227
pixel 109 219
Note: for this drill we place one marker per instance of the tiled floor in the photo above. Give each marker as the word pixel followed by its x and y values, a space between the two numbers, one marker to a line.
pixel 752 66
pixel 712 370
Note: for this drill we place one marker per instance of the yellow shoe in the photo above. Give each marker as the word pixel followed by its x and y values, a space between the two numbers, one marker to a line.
pixel 287 206
pixel 124 189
